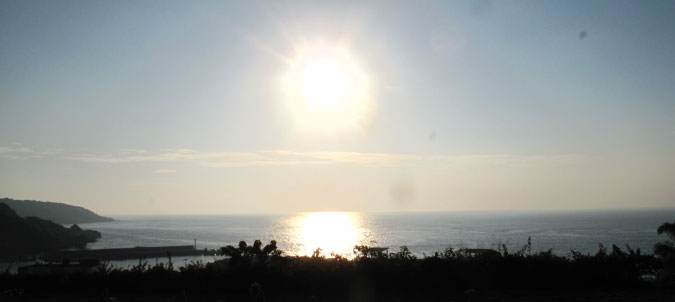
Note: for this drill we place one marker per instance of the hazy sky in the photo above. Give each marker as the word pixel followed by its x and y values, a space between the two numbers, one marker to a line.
pixel 180 107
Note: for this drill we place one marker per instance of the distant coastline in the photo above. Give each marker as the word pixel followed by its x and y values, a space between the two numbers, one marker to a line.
pixel 60 213
pixel 31 236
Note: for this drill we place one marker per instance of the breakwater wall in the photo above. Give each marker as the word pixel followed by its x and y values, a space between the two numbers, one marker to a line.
pixel 128 253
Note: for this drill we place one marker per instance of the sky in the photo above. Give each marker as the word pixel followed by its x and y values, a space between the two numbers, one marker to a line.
pixel 174 107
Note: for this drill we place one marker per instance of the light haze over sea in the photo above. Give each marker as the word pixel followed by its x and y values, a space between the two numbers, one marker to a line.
pixel 423 233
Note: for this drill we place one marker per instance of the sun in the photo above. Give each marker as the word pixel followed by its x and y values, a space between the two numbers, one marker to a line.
pixel 326 89
pixel 324 82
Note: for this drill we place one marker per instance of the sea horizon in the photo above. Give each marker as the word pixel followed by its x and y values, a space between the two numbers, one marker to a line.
pixel 397 212
pixel 424 233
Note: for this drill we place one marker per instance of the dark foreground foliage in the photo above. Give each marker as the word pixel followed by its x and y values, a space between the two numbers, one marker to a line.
pixel 258 271
pixel 394 273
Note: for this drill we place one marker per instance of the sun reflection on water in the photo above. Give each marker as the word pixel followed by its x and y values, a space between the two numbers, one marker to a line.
pixel 336 233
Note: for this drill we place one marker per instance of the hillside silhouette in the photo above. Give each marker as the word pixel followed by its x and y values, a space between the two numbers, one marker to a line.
pixel 57 212
pixel 20 237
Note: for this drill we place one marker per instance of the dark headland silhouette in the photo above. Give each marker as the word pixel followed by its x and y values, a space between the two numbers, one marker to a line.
pixel 57 212
pixel 20 237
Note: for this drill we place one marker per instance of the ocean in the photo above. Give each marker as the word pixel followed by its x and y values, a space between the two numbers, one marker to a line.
pixel 422 233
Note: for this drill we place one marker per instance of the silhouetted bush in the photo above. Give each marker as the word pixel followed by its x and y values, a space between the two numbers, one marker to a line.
pixel 372 272
pixel 248 253
pixel 666 252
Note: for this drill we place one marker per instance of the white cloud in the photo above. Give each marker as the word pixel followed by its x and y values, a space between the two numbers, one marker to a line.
pixel 18 151
pixel 257 158
pixel 292 158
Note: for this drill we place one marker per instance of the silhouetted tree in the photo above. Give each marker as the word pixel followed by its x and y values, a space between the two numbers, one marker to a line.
pixel 364 251
pixel 242 247
pixel 250 252
pixel 666 249
pixel 271 249
pixel 403 254
pixel 255 250
pixel 316 253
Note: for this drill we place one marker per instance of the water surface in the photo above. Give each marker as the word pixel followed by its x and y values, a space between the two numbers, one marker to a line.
pixel 423 233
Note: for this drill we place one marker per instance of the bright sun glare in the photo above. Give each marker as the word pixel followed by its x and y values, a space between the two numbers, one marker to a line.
pixel 323 82
pixel 326 89
pixel 333 232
